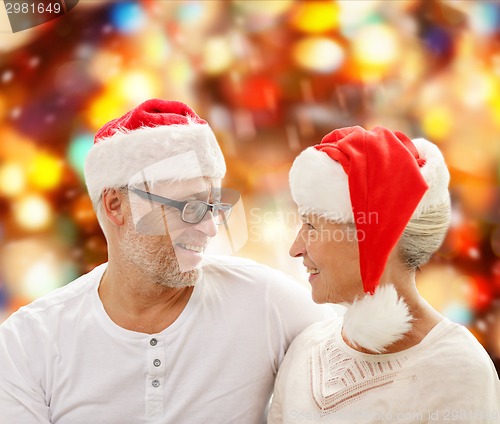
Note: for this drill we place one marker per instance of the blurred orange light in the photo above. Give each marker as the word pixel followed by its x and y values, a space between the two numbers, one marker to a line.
pixel 493 335
pixel 105 65
pixel 45 171
pixel 32 212
pixel 217 55
pixel 315 16
pixel 15 146
pixel 442 286
pixel 495 110
pixel 3 107
pixel 15 302
pixel 478 335
pixel 464 238
pixel 267 8
pixel 154 47
pixel 12 179
pixel 33 267
pixel 481 293
pixel 124 92
pixel 437 122
pixel 375 48
pixel 105 108
pixel 136 86
pixel 476 87
pixel 495 242
pixel 179 72
pixel 259 92
pixel 83 213
pixel 319 54
pixel 477 197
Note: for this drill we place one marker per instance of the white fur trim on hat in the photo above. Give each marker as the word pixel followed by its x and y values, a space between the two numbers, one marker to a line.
pixel 181 167
pixel 436 175
pixel 114 160
pixel 319 185
pixel 377 321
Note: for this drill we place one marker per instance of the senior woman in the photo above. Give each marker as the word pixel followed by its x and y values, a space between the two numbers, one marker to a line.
pixel 375 207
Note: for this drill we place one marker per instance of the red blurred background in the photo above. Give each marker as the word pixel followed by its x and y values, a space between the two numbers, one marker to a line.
pixel 271 77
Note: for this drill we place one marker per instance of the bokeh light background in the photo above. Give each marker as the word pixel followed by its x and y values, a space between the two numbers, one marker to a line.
pixel 271 77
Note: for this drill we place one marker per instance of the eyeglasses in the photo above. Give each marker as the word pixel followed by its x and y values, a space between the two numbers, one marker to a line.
pixel 192 211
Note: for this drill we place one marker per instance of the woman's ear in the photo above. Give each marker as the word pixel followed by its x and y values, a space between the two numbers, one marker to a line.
pixel 113 205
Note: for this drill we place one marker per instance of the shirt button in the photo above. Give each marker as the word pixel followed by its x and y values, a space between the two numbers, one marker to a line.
pixel 155 383
pixel 156 362
pixel 153 342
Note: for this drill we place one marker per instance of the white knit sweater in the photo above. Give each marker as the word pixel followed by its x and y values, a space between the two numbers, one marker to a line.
pixel 448 376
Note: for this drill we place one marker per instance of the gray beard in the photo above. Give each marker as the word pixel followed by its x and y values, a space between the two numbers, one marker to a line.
pixel 155 257
pixel 180 279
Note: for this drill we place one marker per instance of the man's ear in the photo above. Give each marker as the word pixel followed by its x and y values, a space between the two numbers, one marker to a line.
pixel 113 205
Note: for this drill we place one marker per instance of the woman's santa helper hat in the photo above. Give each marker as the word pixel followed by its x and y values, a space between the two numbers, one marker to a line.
pixel 378 179
pixel 153 131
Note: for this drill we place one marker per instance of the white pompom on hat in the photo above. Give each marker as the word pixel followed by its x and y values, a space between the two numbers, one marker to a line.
pixel 155 130
pixel 379 180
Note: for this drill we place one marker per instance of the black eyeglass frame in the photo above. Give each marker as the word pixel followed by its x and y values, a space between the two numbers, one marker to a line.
pixel 215 208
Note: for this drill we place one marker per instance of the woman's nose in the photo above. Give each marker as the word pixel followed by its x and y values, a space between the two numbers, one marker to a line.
pixel 297 249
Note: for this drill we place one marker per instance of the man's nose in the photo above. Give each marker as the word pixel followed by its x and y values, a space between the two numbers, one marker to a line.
pixel 207 226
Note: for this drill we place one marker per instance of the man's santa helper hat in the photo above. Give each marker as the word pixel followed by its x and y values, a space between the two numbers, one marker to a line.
pixel 154 130
pixel 379 180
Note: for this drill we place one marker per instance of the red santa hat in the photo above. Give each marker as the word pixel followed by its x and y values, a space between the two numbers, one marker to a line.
pixel 379 180
pixel 154 130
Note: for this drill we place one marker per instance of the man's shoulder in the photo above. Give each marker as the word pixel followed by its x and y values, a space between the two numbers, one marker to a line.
pixel 68 293
pixel 225 261
pixel 235 273
pixel 234 266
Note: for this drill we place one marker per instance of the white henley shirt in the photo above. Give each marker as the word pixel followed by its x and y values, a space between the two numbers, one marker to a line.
pixel 64 361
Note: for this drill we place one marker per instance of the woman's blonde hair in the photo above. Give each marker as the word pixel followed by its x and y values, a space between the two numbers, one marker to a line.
pixel 424 235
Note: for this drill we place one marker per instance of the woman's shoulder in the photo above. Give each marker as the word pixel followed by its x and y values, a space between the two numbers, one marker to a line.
pixel 317 333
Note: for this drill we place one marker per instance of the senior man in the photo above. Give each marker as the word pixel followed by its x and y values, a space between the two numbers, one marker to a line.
pixel 161 333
